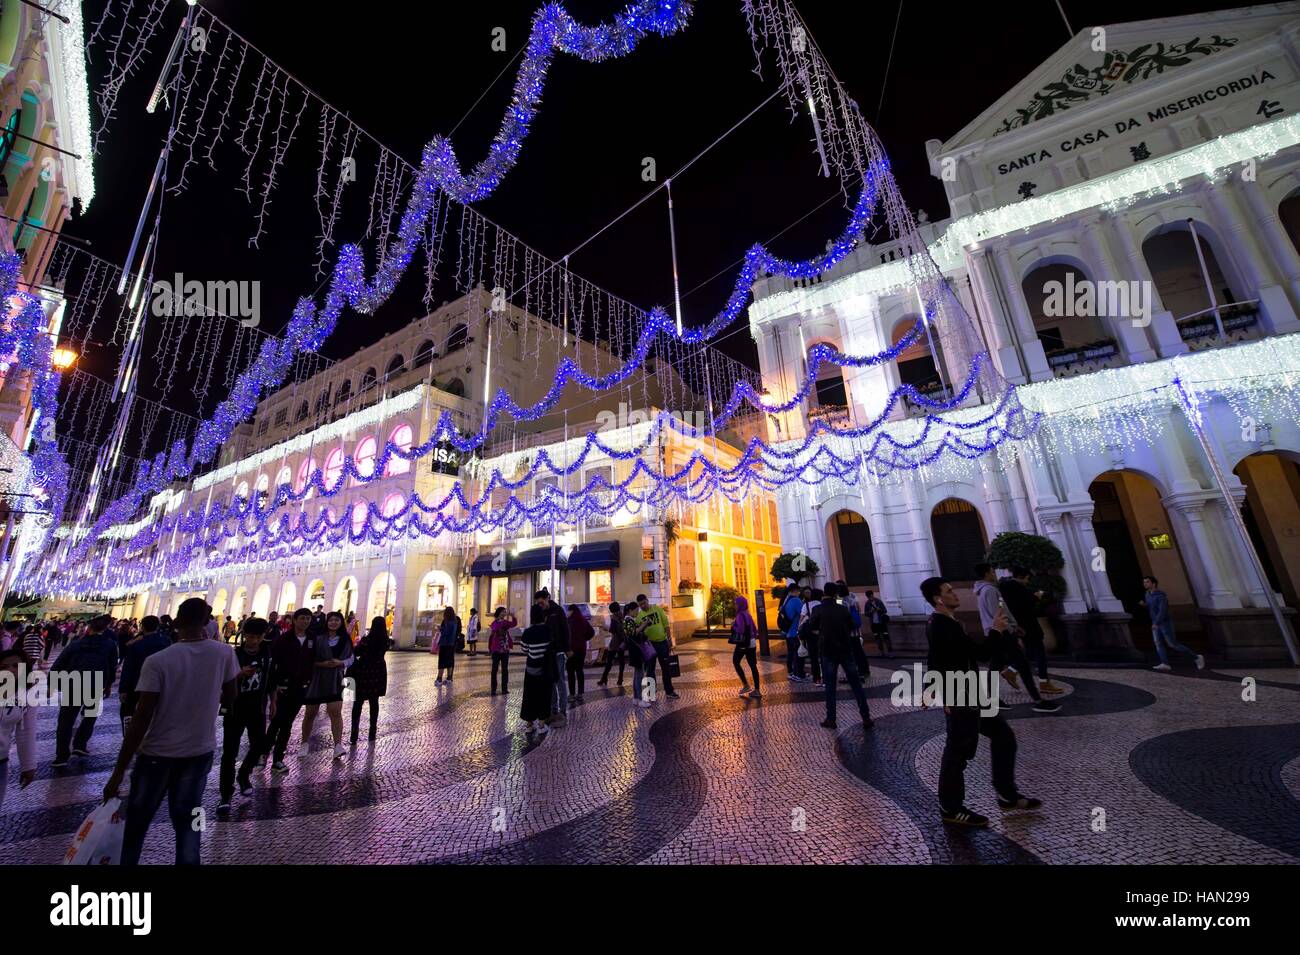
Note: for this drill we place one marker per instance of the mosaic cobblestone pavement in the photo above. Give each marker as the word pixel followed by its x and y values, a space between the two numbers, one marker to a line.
pixel 1140 767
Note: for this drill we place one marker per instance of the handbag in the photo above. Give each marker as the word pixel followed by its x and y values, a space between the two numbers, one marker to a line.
pixel 648 651
pixel 674 665
pixel 802 651
pixel 99 839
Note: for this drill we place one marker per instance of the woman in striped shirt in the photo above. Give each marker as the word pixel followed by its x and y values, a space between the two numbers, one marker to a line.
pixel 538 673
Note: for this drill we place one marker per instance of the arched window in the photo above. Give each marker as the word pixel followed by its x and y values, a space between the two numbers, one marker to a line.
pixel 364 456
pixel 396 366
pixel 916 362
pixel 368 380
pixel 358 517
pixel 263 483
pixel 9 136
pixel 402 437
pixel 1064 324
pixel 344 393
pixel 455 387
pixel 303 411
pixel 322 401
pixel 241 493
pixel 304 475
pixel 393 505
pixel 333 468
pixel 458 338
pixel 424 354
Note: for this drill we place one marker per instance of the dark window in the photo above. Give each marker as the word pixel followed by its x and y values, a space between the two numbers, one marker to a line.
pixel 455 387
pixel 458 338
pixel 368 380
pixel 958 539
pixel 830 391
pixel 322 401
pixel 423 355
pixel 396 366
pixel 345 392
pixel 855 550
pixel 302 412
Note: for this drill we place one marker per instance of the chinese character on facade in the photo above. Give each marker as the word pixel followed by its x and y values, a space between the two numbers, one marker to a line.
pixel 1140 152
pixel 1026 189
pixel 1269 108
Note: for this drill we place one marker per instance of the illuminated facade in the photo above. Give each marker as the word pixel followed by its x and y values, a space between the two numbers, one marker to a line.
pixel 1160 172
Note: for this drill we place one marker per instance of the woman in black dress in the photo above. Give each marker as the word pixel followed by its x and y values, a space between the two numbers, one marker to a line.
pixel 333 654
pixel 369 676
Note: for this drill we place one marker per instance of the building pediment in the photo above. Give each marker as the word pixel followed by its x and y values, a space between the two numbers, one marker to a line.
pixel 1081 75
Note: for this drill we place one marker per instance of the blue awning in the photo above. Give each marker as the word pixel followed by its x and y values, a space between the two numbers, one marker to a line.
pixel 537 559
pixel 594 554
pixel 482 567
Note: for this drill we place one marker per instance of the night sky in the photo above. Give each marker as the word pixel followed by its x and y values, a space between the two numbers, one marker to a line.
pixel 406 73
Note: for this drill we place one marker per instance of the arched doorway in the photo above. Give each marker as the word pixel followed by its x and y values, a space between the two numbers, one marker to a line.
pixel 383 597
pixel 1137 539
pixel 959 539
pixel 1180 282
pixel 1051 292
pixel 345 596
pixel 239 604
pixel 915 363
pixel 288 601
pixel 436 591
pixel 262 601
pixel 219 602
pixel 315 594
pixel 852 558
pixel 1272 515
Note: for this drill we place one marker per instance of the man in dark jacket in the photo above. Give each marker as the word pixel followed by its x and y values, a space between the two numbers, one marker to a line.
pixel 834 626
pixel 557 627
pixel 953 658
pixel 1023 604
pixel 95 657
pixel 293 659
pixel 138 649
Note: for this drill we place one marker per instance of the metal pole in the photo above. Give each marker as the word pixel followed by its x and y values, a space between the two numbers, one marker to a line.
pixel 1205 274
pixel 672 238
pixel 1193 416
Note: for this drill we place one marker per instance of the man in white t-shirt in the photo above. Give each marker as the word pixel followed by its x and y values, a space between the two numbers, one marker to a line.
pixel 180 691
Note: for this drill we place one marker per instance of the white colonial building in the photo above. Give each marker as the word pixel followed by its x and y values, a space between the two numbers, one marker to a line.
pixel 1158 164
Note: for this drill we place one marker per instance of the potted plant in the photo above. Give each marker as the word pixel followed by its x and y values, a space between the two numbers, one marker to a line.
pixel 797 567
pixel 1044 561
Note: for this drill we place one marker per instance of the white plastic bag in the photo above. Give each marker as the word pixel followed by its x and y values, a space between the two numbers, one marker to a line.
pixel 99 839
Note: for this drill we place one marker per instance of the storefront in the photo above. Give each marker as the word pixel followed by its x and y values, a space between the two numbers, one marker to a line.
pixel 583 574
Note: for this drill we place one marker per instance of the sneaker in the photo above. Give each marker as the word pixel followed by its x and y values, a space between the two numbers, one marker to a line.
pixel 60 762
pixel 1046 706
pixel 965 817
pixel 1162 667
pixel 600 683
pixel 1200 662
pixel 1047 686
pixel 261 763
pixel 246 788
pixel 829 724
pixel 279 767
pixel 223 807
pixel 1012 677
pixel 542 728
pixel 744 690
pixel 672 696
pixel 755 695
pixel 792 678
pixel 1021 801
pixel 80 751
pixel 340 750
pixel 644 704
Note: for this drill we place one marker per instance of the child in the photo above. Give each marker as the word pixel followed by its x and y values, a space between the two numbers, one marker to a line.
pixel 248 712
pixel 499 644
pixel 471 632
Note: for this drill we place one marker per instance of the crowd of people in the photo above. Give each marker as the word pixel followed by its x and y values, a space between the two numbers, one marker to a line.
pixel 174 675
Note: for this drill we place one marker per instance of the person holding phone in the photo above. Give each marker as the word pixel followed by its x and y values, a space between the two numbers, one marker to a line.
pixel 247 714
pixel 1006 654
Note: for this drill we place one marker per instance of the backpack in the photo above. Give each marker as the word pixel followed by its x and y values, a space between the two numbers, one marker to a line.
pixel 783 621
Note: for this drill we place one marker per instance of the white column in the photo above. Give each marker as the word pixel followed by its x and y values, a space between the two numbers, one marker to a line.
pixel 1218 595
pixel 1168 341
pixel 993 496
pixel 1054 530
pixel 1239 237
pixel 995 321
pixel 882 537
pixel 1276 238
pixel 1105 599
pixel 1030 346
pixel 1133 339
